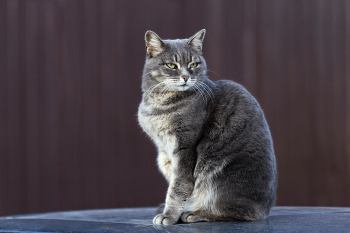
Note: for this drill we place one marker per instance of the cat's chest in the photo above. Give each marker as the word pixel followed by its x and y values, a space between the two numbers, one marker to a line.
pixel 158 126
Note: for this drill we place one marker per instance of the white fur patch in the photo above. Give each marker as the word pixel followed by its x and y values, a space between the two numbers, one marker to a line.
pixel 157 127
pixel 203 198
pixel 165 165
pixel 155 73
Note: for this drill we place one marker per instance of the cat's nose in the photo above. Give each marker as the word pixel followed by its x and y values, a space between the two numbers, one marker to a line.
pixel 185 78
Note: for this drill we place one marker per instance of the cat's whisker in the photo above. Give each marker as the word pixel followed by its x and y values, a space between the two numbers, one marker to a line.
pixel 207 89
pixel 204 94
pixel 154 87
pixel 204 90
pixel 170 86
pixel 205 76
pixel 148 73
pixel 213 72
pixel 145 74
pixel 167 89
pixel 164 88
pixel 201 93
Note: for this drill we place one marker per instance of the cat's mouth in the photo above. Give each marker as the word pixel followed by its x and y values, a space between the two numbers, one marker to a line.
pixel 183 87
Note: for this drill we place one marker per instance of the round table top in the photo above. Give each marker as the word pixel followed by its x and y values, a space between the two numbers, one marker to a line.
pixel 282 219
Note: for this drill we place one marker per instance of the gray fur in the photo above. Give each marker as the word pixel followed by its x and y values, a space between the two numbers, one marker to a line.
pixel 214 145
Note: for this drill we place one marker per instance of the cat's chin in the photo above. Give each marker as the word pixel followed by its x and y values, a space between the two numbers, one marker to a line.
pixel 183 88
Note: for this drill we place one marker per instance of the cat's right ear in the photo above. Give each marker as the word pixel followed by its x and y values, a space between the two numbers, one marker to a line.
pixel 154 45
pixel 196 41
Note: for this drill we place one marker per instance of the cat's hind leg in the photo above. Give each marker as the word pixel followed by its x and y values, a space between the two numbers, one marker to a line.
pixel 247 212
pixel 200 216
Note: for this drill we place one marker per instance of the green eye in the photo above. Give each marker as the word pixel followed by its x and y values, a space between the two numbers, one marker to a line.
pixel 171 65
pixel 194 65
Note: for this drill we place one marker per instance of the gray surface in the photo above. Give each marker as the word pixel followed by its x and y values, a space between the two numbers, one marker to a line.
pixel 282 219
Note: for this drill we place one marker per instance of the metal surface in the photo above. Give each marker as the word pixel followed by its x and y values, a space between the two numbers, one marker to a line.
pixel 282 219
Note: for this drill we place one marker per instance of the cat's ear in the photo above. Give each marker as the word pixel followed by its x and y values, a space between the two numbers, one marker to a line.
pixel 154 45
pixel 196 41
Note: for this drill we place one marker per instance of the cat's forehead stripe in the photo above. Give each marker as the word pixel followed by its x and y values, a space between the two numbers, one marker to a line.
pixel 183 56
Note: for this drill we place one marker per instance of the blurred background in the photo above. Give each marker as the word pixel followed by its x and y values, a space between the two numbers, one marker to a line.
pixel 70 76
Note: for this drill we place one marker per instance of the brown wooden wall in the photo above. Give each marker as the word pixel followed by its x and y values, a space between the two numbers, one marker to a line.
pixel 70 87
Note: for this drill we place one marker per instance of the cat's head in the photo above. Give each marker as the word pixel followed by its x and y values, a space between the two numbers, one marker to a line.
pixel 175 65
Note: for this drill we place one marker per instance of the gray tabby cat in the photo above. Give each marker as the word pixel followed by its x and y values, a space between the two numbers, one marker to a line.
pixel 214 145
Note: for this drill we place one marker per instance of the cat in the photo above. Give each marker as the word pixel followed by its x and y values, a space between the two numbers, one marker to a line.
pixel 214 144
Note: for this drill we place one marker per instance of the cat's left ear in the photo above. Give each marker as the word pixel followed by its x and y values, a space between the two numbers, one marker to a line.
pixel 196 41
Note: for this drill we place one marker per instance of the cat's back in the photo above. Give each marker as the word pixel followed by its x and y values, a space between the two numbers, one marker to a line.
pixel 230 92
pixel 233 104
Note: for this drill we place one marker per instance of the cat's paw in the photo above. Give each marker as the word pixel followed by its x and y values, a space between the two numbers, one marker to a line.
pixel 190 217
pixel 187 217
pixel 162 219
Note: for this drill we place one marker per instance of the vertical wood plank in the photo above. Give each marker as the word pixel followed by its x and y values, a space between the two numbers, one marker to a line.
pixel 338 64
pixel 72 116
pixel 4 150
pixel 13 107
pixel 215 24
pixel 51 151
pixel 107 123
pixel 347 65
pixel 32 102
pixel 91 81
pixel 249 46
pixel 122 8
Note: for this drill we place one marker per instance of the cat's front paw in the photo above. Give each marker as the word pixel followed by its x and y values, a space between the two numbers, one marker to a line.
pixel 162 219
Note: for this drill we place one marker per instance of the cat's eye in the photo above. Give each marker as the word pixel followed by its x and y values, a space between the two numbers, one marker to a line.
pixel 194 65
pixel 171 65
